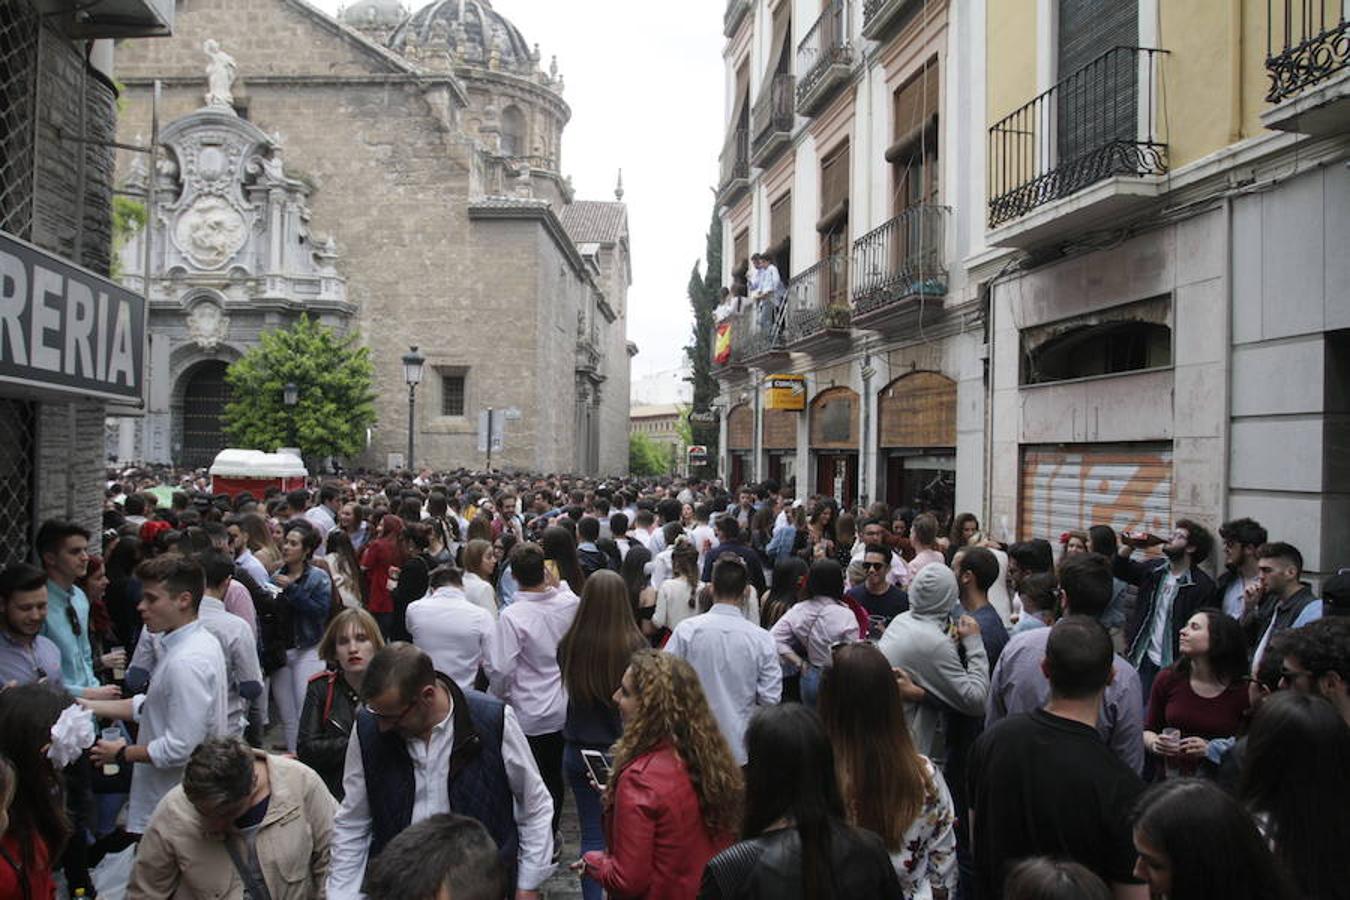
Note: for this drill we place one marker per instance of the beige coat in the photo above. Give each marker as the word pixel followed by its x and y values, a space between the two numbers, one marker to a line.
pixel 178 859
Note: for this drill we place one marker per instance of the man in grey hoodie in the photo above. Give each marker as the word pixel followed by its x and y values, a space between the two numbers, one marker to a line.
pixel 948 662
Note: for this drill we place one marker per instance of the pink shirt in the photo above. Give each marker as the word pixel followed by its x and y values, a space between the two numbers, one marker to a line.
pixel 924 558
pixel 240 602
pixel 522 659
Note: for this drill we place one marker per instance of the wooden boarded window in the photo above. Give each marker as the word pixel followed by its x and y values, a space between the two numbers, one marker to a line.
pixel 834 420
pixel 780 429
pixel 833 186
pixel 914 150
pixel 740 260
pixel 780 221
pixel 740 428
pixel 833 224
pixel 918 411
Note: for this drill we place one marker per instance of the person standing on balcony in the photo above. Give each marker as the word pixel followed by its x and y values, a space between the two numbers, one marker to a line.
pixel 766 290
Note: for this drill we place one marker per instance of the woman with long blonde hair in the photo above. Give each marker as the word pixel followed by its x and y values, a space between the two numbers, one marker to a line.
pixel 260 541
pixel 889 789
pixel 674 799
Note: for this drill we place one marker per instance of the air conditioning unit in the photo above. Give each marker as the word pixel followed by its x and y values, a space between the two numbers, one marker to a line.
pixel 84 19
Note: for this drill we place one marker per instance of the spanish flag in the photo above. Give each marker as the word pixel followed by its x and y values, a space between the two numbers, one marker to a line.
pixel 722 345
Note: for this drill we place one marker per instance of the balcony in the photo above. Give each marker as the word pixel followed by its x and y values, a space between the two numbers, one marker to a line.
pixel 817 315
pixel 881 17
pixel 735 166
pixel 752 343
pixel 772 119
pixel 588 349
pixel 736 12
pixel 899 266
pixel 1085 152
pixel 1308 61
pixel 824 59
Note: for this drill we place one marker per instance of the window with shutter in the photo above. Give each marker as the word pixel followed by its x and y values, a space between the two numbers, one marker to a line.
pixel 740 265
pixel 780 234
pixel 914 153
pixel 833 224
pixel 1099 108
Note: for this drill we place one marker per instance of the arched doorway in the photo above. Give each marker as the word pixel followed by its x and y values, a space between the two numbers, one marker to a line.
pixel 834 434
pixel 916 416
pixel 205 393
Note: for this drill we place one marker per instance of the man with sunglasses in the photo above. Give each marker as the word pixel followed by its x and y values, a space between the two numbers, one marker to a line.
pixel 877 594
pixel 26 656
pixel 63 548
pixel 421 747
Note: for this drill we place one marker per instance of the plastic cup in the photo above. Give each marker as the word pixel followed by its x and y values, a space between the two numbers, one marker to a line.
pixel 111 734
pixel 1170 738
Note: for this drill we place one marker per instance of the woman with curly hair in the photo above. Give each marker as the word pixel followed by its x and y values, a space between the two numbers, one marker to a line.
pixel 674 799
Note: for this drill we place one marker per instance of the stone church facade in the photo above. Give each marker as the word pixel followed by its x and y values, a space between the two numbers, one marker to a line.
pixel 397 175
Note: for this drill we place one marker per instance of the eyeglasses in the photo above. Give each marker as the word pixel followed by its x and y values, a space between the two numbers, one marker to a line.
pixel 388 717
pixel 873 566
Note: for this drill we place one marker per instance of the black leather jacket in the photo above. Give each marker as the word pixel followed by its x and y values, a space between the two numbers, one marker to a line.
pixel 769 867
pixel 325 727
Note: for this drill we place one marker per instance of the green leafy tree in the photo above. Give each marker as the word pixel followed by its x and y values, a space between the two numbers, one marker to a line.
pixel 704 290
pixel 336 404
pixel 646 457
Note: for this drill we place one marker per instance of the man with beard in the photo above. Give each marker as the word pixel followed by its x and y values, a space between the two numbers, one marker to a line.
pixel 1171 589
pixel 1241 539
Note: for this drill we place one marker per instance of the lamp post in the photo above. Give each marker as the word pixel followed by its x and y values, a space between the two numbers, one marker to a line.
pixel 290 395
pixel 412 374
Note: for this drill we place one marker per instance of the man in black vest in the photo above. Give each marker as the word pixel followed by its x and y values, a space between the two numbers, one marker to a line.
pixel 420 747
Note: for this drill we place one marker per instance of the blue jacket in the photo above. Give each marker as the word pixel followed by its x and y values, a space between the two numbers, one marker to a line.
pixel 310 600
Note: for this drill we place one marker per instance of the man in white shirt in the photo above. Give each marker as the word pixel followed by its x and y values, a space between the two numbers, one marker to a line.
pixel 736 660
pixel 703 535
pixel 323 515
pixel 522 663
pixel 187 701
pixel 454 632
pixel 242 669
pixel 243 556
pixel 421 747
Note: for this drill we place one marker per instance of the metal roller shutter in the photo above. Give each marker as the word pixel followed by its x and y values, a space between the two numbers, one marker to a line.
pixel 1076 487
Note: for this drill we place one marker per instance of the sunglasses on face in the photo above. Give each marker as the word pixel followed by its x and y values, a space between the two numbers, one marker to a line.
pixel 873 566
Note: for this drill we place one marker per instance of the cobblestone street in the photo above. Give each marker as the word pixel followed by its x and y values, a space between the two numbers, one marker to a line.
pixel 565 884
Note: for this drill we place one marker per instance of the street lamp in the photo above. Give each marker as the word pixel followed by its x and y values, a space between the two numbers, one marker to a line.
pixel 290 395
pixel 412 374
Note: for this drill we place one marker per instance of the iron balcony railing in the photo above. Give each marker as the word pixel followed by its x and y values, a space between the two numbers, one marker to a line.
pixel 735 158
pixel 774 111
pixel 902 258
pixel 1097 123
pixel 1305 44
pixel 825 45
pixel 817 300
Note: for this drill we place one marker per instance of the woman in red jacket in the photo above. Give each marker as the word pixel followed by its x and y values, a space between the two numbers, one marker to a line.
pixel 674 799
pixel 381 555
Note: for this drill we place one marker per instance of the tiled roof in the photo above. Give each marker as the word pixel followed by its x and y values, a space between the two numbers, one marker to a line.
pixel 595 221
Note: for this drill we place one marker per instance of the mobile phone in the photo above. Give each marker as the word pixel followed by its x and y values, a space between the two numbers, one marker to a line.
pixel 598 765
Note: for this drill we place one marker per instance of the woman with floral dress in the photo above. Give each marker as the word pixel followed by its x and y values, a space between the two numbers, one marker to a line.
pixel 889 788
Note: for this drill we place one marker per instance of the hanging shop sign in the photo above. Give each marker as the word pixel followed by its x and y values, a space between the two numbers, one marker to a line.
pixel 66 329
pixel 787 392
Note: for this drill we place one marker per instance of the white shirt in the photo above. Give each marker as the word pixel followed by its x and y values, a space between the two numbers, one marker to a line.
pixel 675 602
pixel 1162 618
pixel 478 592
pixel 661 566
pixel 250 564
pixel 704 539
pixel 241 658
pixel 522 661
pixel 322 518
pixel 737 663
pixel 185 705
pixel 531 802
pixel 454 633
pixel 899 574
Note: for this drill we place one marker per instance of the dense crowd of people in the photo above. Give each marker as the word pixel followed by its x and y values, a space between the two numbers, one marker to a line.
pixel 385 687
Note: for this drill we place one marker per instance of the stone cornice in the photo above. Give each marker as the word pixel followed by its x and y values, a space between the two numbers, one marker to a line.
pixel 532 210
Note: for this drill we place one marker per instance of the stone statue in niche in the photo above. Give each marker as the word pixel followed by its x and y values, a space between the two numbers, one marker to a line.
pixel 208 325
pixel 210 231
pixel 220 74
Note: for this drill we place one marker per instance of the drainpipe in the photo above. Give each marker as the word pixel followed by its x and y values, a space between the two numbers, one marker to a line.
pixel 756 379
pixel 865 439
pixel 987 291
pixel 1227 344
pixel 1235 51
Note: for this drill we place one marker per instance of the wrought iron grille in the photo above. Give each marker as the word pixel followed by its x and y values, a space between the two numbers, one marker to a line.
pixel 204 403
pixel 1097 123
pixel 825 45
pixel 19 28
pixel 774 111
pixel 813 302
pixel 1304 44
pixel 902 258
pixel 735 158
pixel 18 444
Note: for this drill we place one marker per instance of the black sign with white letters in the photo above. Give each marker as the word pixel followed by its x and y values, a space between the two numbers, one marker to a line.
pixel 64 328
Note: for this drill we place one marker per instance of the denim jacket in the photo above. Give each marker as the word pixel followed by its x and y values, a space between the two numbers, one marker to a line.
pixel 310 598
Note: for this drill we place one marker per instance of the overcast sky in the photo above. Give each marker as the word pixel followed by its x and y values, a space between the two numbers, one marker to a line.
pixel 644 81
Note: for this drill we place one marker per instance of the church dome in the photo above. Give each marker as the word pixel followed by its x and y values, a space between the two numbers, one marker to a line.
pixel 375 14
pixel 471 29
